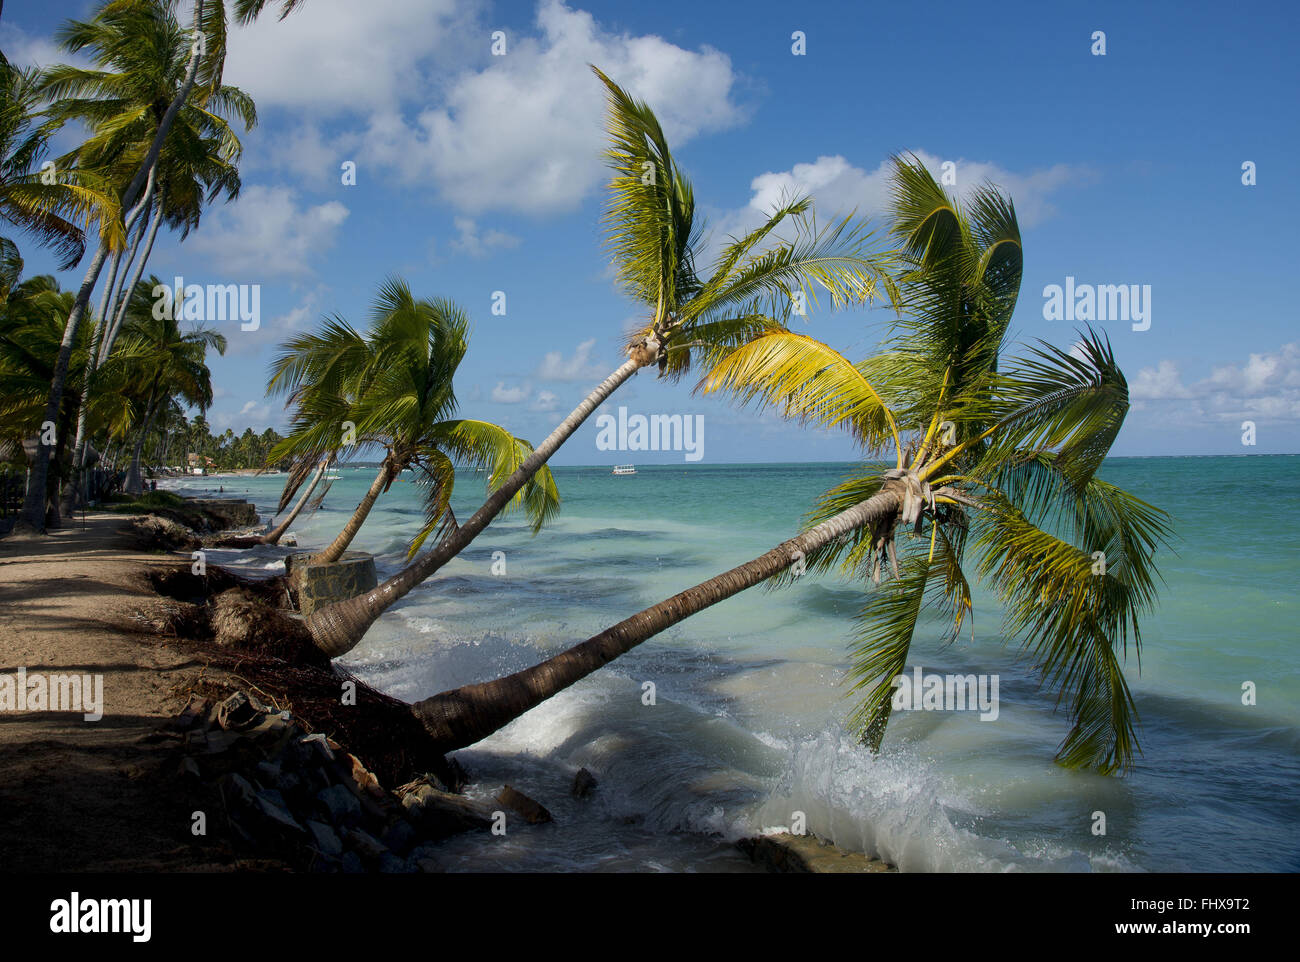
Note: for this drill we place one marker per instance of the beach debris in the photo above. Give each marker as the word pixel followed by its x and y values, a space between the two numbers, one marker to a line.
pixel 301 799
pixel 584 783
pixel 155 533
pixel 437 813
pixel 533 812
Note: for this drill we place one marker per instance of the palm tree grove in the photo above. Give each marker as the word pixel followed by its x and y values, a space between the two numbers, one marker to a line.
pixel 546 438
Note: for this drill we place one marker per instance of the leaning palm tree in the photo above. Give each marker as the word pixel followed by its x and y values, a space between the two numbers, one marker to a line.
pixel 395 384
pixel 655 243
pixel 1004 462
pixel 274 535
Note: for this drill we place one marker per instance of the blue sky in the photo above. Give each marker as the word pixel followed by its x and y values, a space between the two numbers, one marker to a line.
pixel 479 173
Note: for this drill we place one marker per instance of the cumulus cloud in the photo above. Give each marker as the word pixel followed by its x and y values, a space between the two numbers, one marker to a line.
pixel 556 367
pixel 838 187
pixel 1265 386
pixel 340 56
pixel 267 233
pixel 1160 383
pixel 510 395
pixel 525 132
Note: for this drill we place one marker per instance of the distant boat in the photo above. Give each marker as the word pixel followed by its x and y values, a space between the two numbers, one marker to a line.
pixel 624 469
pixel 332 477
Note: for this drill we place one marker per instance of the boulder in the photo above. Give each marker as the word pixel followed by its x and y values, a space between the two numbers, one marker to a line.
pixel 533 812
pixel 808 854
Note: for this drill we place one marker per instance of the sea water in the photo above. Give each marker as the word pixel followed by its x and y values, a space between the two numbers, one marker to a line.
pixel 746 730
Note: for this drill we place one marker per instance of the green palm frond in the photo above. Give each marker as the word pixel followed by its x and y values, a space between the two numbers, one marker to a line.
pixel 486 445
pixel 807 381
pixel 1057 399
pixel 884 632
pixel 1073 613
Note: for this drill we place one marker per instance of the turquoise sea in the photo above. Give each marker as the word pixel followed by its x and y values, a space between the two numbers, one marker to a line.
pixel 748 722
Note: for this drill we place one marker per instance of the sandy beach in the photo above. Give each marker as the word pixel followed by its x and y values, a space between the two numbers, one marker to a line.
pixel 82 795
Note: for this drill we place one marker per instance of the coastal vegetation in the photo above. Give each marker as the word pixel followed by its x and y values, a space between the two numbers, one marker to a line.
pixel 975 459
pixel 754 285
pixel 392 387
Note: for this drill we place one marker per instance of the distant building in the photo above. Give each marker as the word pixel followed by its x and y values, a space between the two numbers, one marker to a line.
pixel 198 463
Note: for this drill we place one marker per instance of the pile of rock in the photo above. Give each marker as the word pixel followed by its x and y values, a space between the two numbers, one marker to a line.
pixel 302 798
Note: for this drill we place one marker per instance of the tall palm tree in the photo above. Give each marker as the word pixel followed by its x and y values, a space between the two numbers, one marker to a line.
pixel 194 169
pixel 396 385
pixel 144 41
pixel 1008 456
pixel 655 242
pixel 168 363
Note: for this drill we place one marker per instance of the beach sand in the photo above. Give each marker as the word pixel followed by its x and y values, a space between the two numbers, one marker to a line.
pixel 81 795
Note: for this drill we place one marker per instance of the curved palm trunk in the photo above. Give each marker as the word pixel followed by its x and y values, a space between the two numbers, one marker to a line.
pixel 275 534
pixel 383 479
pixel 337 628
pixel 463 716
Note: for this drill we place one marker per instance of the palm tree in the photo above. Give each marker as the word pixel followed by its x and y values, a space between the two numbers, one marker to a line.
pixel 167 364
pixel 654 240
pixel 143 38
pixel 121 107
pixel 1011 457
pixel 395 385
pixel 274 535
pixel 48 208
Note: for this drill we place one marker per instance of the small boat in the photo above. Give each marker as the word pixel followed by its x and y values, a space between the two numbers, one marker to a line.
pixel 624 469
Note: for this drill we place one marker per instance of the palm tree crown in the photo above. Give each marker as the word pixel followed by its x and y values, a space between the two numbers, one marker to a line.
pixel 1010 457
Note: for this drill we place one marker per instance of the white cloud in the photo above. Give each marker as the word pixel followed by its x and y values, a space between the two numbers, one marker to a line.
pixel 510 395
pixel 341 56
pixel 525 132
pixel 471 241
pixel 265 233
pixel 556 367
pixel 1266 386
pixel 838 187
pixel 1160 383
pixel 545 401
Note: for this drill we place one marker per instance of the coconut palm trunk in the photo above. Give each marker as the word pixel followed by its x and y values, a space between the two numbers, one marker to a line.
pixel 275 534
pixel 79 448
pixel 33 513
pixel 387 471
pixel 134 478
pixel 337 628
pixel 102 344
pixel 32 516
pixel 463 716
pixel 110 335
